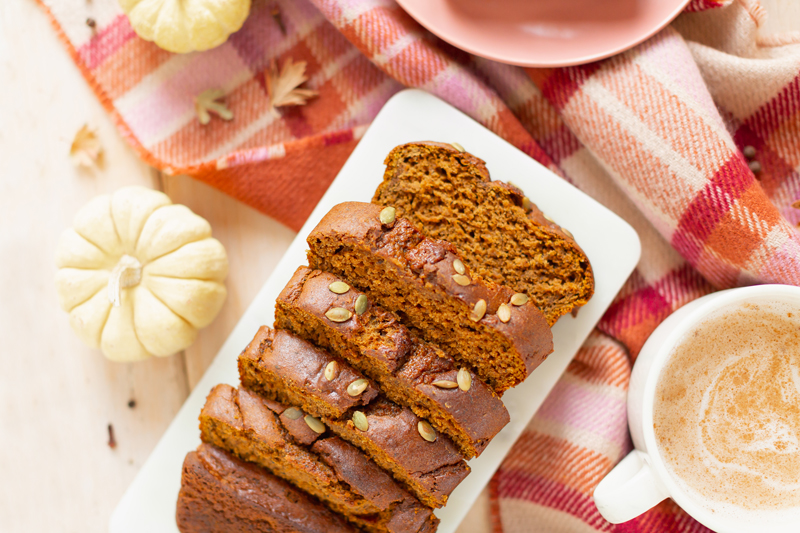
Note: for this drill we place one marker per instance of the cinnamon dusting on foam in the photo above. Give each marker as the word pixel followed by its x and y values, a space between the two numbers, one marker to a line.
pixel 727 408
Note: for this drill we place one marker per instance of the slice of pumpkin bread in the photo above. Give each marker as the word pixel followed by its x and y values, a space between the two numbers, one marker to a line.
pixel 426 463
pixel 285 368
pixel 429 470
pixel 448 194
pixel 221 493
pixel 411 372
pixel 425 283
pixel 277 438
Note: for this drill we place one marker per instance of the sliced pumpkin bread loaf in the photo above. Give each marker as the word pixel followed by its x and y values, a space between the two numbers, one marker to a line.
pixel 221 493
pixel 427 285
pixel 427 463
pixel 410 371
pixel 448 194
pixel 278 438
pixel 428 469
pixel 285 368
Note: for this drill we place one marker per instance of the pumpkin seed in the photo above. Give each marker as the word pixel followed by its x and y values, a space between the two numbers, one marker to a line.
pixel 547 218
pixel 461 279
pixel 458 147
pixel 459 267
pixel 445 384
pixel 567 232
pixel 504 313
pixel 338 314
pixel 315 424
pixel 357 387
pixel 527 205
pixel 426 431
pixel 360 421
pixel 339 287
pixel 388 215
pixel 478 311
pixel 361 304
pixel 331 370
pixel 519 299
pixel 464 379
pixel 293 413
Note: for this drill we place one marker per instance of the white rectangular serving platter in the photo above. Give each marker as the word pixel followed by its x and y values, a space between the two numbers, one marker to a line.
pixel 612 246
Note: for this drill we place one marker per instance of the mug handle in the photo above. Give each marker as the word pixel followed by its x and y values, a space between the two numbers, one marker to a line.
pixel 629 489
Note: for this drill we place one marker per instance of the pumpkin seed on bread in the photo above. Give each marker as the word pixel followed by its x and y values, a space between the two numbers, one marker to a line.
pixel 341 476
pixel 287 369
pixel 500 234
pixel 410 371
pixel 421 281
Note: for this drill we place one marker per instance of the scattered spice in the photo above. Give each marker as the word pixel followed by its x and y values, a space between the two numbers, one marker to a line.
pixel 283 87
pixel 131 403
pixel 91 22
pixel 112 442
pixel 276 15
pixel 207 102
pixel 85 150
pixel 749 152
pixel 755 166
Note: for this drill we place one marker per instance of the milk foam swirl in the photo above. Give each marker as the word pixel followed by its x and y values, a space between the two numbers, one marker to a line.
pixel 727 408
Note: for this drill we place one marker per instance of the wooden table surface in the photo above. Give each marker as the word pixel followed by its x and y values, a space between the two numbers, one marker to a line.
pixel 57 397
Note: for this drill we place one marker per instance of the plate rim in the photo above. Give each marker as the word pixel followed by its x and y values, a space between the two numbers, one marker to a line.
pixel 425 22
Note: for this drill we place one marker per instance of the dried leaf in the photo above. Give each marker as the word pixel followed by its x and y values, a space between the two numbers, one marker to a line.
pixel 207 102
pixel 282 87
pixel 85 150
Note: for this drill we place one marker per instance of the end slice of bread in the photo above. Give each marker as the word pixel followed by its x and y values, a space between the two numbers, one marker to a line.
pixel 500 234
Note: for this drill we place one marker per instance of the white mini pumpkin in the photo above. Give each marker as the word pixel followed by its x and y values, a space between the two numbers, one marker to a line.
pixel 186 25
pixel 139 275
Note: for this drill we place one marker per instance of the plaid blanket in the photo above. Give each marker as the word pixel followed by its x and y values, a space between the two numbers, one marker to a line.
pixel 657 134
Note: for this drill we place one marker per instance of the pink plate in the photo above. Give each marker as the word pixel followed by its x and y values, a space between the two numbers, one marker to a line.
pixel 544 33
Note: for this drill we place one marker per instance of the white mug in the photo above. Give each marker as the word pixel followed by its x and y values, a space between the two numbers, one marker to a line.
pixel 641 480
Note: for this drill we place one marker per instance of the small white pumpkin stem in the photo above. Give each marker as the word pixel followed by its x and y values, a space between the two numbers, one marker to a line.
pixel 127 273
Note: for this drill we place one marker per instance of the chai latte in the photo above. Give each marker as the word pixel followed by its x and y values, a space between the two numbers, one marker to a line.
pixel 726 413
